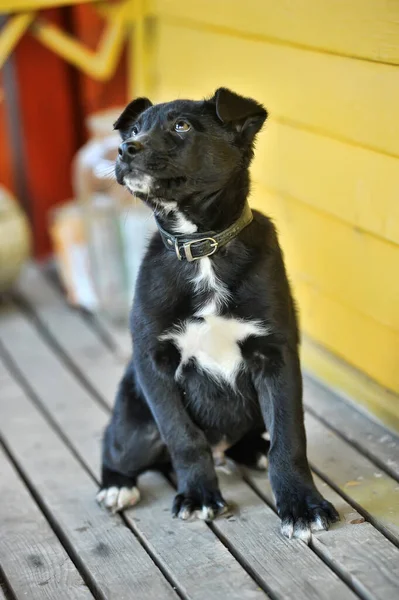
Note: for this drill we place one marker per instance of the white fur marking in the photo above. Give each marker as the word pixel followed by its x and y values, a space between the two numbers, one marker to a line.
pixel 287 529
pixel 182 224
pixel 302 533
pixel 138 184
pixel 213 343
pixel 116 499
pixel 317 524
pixel 206 279
pixel 261 463
pixel 206 513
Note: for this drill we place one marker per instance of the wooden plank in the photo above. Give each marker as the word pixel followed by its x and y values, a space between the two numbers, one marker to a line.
pixel 368 436
pixel 117 336
pixel 288 567
pixel 149 519
pixel 314 90
pixel 328 26
pixel 17 5
pixel 119 333
pixel 356 550
pixel 32 559
pixel 341 321
pixel 368 535
pixel 103 369
pixel 111 558
pixel 355 257
pixel 374 492
pixel 189 551
pixel 50 381
pixel 252 535
pixel 347 333
pixel 356 185
pixel 35 361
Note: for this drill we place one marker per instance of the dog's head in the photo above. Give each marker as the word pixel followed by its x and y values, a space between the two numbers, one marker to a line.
pixel 181 149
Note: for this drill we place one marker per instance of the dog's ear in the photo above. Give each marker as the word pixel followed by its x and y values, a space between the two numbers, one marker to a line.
pixel 244 114
pixel 131 112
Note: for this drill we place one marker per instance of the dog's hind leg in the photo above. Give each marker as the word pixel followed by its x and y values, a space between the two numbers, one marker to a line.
pixel 251 450
pixel 131 444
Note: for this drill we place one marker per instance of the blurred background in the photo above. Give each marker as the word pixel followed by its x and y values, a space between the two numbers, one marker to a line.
pixel 326 167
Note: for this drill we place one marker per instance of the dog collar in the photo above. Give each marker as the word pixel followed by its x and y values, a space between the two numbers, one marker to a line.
pixel 199 245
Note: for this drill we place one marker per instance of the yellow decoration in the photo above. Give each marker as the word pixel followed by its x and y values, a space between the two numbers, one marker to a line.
pixel 12 32
pixel 100 64
pixel 121 19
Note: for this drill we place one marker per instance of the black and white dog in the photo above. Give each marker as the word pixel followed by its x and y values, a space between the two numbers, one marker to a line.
pixel 215 359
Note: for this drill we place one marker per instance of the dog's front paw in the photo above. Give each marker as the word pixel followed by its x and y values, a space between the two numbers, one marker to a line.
pixel 206 505
pixel 301 516
pixel 116 498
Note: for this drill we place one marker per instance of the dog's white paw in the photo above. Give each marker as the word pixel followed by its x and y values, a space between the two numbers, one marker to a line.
pixel 262 462
pixel 186 506
pixel 116 499
pixel 316 516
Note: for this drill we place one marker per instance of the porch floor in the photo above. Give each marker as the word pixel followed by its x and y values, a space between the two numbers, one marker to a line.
pixel 58 374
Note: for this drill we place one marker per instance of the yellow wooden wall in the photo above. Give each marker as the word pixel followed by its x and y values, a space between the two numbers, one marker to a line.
pixel 327 164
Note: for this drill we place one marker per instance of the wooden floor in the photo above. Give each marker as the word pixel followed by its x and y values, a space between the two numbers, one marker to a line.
pixel 58 375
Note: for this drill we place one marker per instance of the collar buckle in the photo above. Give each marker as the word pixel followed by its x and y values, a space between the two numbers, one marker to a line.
pixel 187 249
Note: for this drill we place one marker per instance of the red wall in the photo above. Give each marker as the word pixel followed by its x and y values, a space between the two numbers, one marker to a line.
pixel 53 100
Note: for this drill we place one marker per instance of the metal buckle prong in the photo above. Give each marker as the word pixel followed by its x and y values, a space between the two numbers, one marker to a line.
pixel 177 250
pixel 188 253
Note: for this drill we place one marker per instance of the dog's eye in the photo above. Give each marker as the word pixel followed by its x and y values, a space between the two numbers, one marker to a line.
pixel 182 126
pixel 135 130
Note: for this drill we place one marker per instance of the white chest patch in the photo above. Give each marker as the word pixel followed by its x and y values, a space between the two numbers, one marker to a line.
pixel 213 343
pixel 206 280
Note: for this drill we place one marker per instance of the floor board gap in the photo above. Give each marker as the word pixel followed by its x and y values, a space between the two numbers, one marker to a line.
pixel 339 572
pixel 356 506
pixel 91 584
pixel 26 308
pixel 360 449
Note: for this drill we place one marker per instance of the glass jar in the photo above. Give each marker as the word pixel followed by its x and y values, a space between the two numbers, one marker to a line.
pixel 117 225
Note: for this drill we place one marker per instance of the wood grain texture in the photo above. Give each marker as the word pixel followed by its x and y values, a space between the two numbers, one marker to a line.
pixel 154 519
pixel 357 551
pixel 355 257
pixel 360 480
pixel 32 558
pixel 119 333
pixel 112 558
pixel 288 567
pixel 362 28
pixel 102 368
pixel 189 551
pixel 180 552
pixel 58 391
pixel 368 436
pixel 343 98
pixel 353 184
pixel 349 382
pixel 350 311
pixel 347 332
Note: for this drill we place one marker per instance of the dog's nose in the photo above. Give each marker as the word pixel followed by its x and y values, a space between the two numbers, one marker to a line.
pixel 127 150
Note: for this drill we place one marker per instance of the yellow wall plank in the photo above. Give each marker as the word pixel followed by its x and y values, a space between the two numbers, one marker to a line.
pixel 362 28
pixel 362 342
pixel 8 6
pixel 351 266
pixel 350 382
pixel 356 185
pixel 349 99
